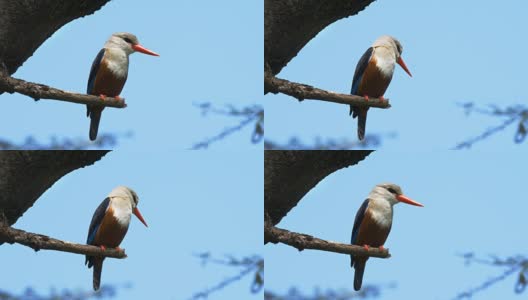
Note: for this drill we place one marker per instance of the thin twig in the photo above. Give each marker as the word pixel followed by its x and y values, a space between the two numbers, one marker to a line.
pixel 249 265
pixel 511 114
pixel 513 264
pixel 251 114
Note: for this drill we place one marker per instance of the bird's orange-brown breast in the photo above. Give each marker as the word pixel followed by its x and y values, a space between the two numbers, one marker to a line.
pixel 370 233
pixel 106 83
pixel 373 82
pixel 110 232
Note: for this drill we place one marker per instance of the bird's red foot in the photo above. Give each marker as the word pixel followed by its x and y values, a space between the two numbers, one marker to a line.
pixel 366 97
pixel 382 99
pixel 382 248
pixel 366 247
pixel 118 98
pixel 120 249
pixel 102 247
pixel 102 96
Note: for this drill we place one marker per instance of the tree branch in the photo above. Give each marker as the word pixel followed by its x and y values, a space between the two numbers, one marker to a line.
pixel 25 25
pixel 510 114
pixel 294 143
pixel 303 241
pixel 38 242
pixel 26 175
pixel 289 175
pixel 39 91
pixel 250 114
pixel 302 92
pixel 251 264
pixel 290 25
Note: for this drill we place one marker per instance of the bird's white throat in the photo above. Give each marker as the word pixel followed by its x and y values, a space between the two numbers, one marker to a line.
pixel 381 212
pixel 117 61
pixel 122 210
pixel 385 61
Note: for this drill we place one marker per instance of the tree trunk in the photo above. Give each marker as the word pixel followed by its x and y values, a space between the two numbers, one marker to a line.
pixel 289 175
pixel 290 24
pixel 26 175
pixel 26 24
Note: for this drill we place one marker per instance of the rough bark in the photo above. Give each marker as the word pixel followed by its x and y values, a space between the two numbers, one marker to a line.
pixel 290 24
pixel 304 241
pixel 41 91
pixel 43 242
pixel 26 24
pixel 302 92
pixel 289 175
pixel 26 175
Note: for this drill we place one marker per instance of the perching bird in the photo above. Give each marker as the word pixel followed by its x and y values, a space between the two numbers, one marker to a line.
pixel 373 75
pixel 110 224
pixel 373 223
pixel 109 72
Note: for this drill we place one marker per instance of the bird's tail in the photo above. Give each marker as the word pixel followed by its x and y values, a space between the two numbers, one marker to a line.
pixel 361 113
pixel 95 118
pixel 98 268
pixel 359 265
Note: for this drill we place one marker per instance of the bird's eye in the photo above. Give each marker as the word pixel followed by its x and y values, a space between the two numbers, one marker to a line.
pixel 128 40
pixel 391 190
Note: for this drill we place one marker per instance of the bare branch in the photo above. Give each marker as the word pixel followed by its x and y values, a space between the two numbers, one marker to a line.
pixel 302 92
pixel 367 291
pixel 104 141
pixel 253 264
pixel 370 141
pixel 38 242
pixel 511 114
pixel 512 264
pixel 40 91
pixel 105 292
pixel 304 241
pixel 250 114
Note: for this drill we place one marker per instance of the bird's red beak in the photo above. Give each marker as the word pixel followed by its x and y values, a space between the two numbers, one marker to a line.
pixel 402 64
pixel 404 199
pixel 139 48
pixel 139 216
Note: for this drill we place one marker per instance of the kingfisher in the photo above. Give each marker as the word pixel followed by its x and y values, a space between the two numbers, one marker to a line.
pixel 109 72
pixel 373 223
pixel 373 75
pixel 110 224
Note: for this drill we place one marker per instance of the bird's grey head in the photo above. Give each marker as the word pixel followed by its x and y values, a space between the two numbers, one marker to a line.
pixel 387 191
pixel 125 193
pixel 389 42
pixel 124 41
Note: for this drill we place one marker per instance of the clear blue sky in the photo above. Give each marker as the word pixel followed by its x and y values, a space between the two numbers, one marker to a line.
pixel 193 202
pixel 457 51
pixel 206 56
pixel 471 203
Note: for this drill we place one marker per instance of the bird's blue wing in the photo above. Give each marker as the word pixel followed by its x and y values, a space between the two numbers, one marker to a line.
pixel 360 70
pixel 96 220
pixel 357 222
pixel 93 71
